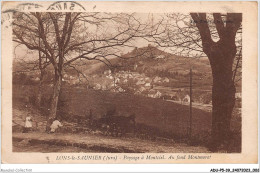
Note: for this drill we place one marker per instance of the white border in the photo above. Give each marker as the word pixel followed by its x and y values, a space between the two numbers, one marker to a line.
pixel 130 167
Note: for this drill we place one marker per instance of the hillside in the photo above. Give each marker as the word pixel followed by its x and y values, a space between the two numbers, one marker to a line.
pixel 154 117
pixel 146 71
pixel 152 62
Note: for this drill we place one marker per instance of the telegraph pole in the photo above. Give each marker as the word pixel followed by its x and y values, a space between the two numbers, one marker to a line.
pixel 190 132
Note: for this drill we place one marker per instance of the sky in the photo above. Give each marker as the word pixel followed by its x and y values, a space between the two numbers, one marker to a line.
pixel 22 52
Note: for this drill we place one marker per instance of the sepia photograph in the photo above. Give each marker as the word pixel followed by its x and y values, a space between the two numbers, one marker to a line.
pixel 126 82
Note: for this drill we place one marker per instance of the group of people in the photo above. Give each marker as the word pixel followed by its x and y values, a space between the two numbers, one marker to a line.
pixel 110 123
pixel 28 125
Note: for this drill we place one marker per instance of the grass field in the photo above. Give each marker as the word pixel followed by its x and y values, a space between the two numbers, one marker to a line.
pixel 154 116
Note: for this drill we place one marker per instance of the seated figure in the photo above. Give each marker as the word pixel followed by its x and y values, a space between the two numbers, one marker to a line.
pixel 55 125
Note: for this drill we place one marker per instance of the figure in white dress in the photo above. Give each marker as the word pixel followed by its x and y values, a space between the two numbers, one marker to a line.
pixel 27 124
pixel 55 125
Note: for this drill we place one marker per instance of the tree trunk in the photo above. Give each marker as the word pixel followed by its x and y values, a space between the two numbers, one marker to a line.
pixel 39 95
pixel 223 93
pixel 221 55
pixel 42 70
pixel 55 98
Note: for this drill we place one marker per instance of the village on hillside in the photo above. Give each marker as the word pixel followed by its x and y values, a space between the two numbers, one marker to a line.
pixel 132 80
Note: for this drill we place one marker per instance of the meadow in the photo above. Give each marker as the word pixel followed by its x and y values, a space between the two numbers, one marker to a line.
pixel 154 117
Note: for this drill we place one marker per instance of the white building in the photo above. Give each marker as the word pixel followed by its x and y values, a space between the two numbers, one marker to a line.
pixel 109 76
pixel 130 75
pixel 121 89
pixel 113 84
pixel 147 79
pixel 140 82
pixel 142 89
pixel 107 72
pixel 147 84
pixel 117 80
pixel 97 87
pixel 166 80
pixel 160 57
pixel 157 79
pixel 154 94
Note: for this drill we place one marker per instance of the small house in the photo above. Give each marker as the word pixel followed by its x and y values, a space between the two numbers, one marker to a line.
pixel 97 87
pixel 166 80
pixel 107 72
pixel 140 82
pixel 147 84
pixel 154 94
pixel 157 79
pixel 142 89
pixel 117 80
pixel 160 57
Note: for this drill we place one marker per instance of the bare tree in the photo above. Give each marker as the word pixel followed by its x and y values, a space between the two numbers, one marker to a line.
pixel 42 64
pixel 221 55
pixel 218 37
pixel 70 37
pixel 23 65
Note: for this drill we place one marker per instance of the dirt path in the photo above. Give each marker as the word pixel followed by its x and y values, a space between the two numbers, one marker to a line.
pixel 205 107
pixel 59 142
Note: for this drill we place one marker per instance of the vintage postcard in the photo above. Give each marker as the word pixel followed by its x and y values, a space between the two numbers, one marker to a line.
pixel 129 82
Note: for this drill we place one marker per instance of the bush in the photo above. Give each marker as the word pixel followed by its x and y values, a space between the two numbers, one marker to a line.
pixel 23 79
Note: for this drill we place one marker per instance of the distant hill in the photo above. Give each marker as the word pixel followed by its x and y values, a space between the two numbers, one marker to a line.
pixel 152 62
